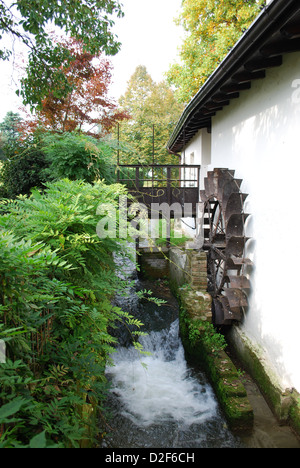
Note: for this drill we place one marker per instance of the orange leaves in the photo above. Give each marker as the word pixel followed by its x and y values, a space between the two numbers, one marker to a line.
pixel 87 108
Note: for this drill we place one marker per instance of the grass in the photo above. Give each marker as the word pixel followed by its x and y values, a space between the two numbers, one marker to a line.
pixel 175 240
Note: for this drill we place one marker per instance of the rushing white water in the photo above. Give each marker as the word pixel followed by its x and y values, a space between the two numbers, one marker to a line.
pixel 159 400
pixel 159 387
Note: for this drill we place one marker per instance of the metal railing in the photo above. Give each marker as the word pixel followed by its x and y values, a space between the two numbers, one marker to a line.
pixel 161 183
pixel 158 175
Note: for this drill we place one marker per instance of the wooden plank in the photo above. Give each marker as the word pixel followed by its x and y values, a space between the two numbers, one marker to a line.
pixel 245 76
pixel 263 63
pixel 280 47
pixel 235 87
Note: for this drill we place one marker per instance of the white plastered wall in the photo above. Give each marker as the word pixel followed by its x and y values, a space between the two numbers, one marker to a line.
pixel 199 148
pixel 258 136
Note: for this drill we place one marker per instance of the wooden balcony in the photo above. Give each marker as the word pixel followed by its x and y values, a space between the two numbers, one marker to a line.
pixel 157 184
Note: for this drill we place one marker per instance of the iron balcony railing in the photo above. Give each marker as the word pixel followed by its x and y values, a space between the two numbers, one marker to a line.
pixel 159 183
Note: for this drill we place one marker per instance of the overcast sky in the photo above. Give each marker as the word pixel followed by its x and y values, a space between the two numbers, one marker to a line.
pixel 148 35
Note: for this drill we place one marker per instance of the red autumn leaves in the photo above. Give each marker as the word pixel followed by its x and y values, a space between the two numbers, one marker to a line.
pixel 88 106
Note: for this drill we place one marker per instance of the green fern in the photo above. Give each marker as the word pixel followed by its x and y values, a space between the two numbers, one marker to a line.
pixel 57 279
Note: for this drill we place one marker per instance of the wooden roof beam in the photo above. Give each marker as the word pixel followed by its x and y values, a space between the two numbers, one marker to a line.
pixel 232 87
pixel 262 63
pixel 197 119
pixel 245 76
pixel 291 30
pixel 221 97
pixel 283 46
pixel 212 105
pixel 208 113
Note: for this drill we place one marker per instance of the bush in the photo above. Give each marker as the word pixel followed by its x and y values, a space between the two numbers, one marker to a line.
pixel 56 282
pixel 77 156
pixel 45 157
pixel 23 170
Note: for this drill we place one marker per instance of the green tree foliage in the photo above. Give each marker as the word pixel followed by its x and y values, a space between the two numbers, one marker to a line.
pixel 40 157
pixel 89 21
pixel 149 104
pixel 9 133
pixel 23 168
pixel 10 130
pixel 56 282
pixel 212 27
pixel 64 217
pixel 76 156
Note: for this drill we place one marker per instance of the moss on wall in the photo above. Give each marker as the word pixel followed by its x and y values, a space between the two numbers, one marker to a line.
pixel 202 344
pixel 204 347
pixel 153 263
pixel 294 412
pixel 284 403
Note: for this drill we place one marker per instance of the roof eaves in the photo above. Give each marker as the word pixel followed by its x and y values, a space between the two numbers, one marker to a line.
pixel 268 22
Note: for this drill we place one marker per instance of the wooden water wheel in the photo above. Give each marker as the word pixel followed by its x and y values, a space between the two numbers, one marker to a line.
pixel 224 240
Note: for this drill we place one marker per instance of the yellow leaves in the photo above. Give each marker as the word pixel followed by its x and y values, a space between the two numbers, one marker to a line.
pixel 213 27
pixel 149 103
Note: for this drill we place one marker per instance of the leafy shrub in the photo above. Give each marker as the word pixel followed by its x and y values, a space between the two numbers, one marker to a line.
pixel 45 157
pixel 200 330
pixel 56 282
pixel 23 170
pixel 77 156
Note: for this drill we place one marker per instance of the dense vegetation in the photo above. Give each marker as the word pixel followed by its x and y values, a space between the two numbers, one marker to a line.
pixel 33 160
pixel 57 276
pixel 88 21
pixel 153 111
pixel 57 281
pixel 212 27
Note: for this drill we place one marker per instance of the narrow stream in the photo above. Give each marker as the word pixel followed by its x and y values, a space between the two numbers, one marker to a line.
pixel 159 400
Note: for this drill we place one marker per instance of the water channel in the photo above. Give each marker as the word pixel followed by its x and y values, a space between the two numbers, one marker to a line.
pixel 160 400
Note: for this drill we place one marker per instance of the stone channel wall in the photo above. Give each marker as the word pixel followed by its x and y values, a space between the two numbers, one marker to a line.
pixel 188 278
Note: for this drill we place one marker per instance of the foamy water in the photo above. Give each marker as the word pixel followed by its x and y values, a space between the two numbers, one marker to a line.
pixel 159 387
pixel 160 400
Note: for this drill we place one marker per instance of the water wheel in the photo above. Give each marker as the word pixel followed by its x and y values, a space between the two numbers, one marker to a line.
pixel 224 241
